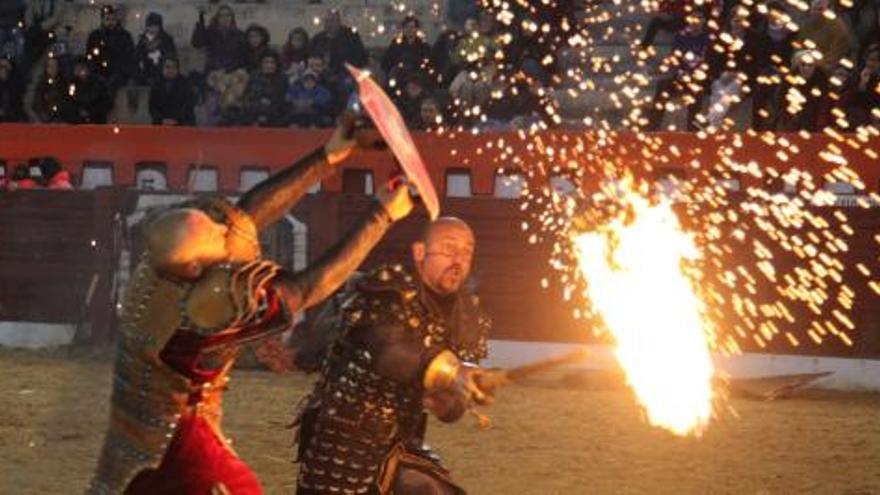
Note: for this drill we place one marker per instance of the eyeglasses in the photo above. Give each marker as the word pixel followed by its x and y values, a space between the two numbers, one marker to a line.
pixel 453 254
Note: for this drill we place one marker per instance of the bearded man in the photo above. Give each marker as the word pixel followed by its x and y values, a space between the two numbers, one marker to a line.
pixel 407 345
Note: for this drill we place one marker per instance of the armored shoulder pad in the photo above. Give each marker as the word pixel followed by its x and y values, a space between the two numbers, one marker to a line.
pixel 228 295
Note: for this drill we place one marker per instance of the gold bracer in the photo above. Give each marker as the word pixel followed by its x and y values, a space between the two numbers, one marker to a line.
pixel 442 371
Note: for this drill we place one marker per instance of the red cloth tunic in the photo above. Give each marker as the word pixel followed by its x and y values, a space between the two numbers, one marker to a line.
pixel 197 461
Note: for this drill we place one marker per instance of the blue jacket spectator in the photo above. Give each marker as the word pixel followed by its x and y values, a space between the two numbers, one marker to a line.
pixel 309 101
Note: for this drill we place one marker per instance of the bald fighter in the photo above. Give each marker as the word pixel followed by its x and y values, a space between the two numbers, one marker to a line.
pixel 202 288
pixel 408 344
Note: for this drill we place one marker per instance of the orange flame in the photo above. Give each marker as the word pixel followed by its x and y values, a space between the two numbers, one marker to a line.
pixel 633 270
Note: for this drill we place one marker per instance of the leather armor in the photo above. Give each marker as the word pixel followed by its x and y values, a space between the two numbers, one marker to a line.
pixel 358 418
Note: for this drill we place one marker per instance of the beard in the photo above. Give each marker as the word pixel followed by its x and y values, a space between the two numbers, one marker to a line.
pixel 451 279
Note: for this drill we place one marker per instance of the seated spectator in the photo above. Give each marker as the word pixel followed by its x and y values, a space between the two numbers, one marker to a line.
pixel 264 98
pixel 670 18
pixel 154 46
pixel 51 99
pixel 90 100
pixel 410 100
pixel 471 92
pixel 21 179
pixel 309 102
pixel 111 50
pixel 476 44
pixel 727 91
pixel 860 98
pixel 518 104
pixel 257 45
pixel 442 63
pixel 527 53
pixel 803 97
pixel 295 53
pixel 12 38
pixel 225 45
pixel 774 40
pixel 688 57
pixel 459 11
pixel 339 44
pixel 430 115
pixel 53 174
pixel 12 90
pixel 225 96
pixel 408 53
pixel 831 36
pixel 172 101
pixel 339 91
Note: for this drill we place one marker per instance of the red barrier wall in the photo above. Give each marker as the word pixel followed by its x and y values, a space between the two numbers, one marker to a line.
pixel 231 150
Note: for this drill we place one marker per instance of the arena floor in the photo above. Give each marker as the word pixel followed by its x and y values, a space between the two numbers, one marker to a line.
pixel 545 440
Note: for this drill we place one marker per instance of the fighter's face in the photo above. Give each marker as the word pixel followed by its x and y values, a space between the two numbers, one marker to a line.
pixel 202 239
pixel 444 259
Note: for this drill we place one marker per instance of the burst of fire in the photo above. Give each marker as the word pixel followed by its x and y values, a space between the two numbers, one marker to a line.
pixel 633 269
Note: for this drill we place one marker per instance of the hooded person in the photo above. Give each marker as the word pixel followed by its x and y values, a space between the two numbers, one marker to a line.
pixel 154 46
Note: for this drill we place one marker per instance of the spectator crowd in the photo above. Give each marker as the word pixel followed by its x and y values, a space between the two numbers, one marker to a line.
pixel 798 71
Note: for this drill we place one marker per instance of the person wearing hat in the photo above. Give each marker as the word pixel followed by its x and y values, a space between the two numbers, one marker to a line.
pixel 154 46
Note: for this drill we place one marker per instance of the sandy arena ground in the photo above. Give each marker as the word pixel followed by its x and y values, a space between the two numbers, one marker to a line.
pixel 587 439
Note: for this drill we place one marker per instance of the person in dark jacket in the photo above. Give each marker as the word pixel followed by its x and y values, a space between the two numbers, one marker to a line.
pixel 171 98
pixel 410 100
pixel 775 41
pixel 51 99
pixel 12 36
pixel 802 100
pixel 339 44
pixel 689 50
pixel 295 52
pixel 445 69
pixel 12 90
pixel 154 46
pixel 258 39
pixel 89 97
pixel 111 50
pixel 408 53
pixel 264 98
pixel 225 45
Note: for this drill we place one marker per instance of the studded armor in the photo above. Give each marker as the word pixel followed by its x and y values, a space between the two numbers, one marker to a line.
pixel 367 404
pixel 153 389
